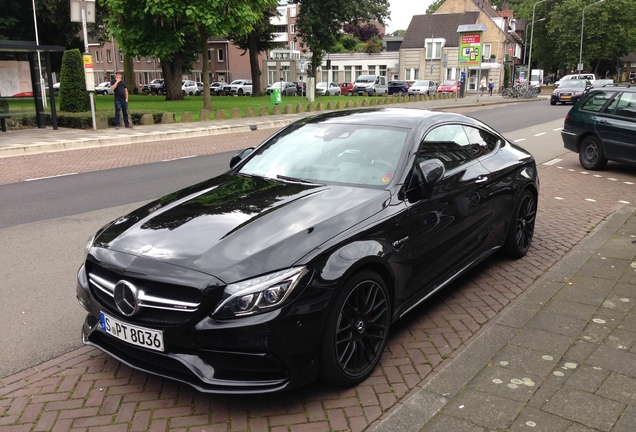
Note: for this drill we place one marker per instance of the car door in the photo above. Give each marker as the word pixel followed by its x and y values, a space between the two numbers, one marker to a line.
pixel 450 227
pixel 617 128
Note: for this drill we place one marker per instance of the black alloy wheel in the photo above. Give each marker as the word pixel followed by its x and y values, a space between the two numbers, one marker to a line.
pixel 591 154
pixel 357 330
pixel 521 229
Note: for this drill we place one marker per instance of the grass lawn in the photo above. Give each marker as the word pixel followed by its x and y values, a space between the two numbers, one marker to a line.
pixel 104 105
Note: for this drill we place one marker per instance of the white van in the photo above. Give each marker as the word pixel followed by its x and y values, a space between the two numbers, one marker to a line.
pixel 372 85
pixel 586 76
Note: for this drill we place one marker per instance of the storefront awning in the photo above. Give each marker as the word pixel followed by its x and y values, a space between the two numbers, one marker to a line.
pixel 485 66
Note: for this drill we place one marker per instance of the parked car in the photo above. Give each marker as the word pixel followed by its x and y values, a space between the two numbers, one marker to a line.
pixel 103 88
pixel 327 89
pixel 398 87
pixel 241 87
pixel 602 127
pixel 215 88
pixel 423 87
pixel 295 263
pixel 156 86
pixel 603 82
pixel 56 86
pixel 346 88
pixel 286 88
pixel 190 87
pixel 224 90
pixel 301 88
pixel 569 91
pixel 447 86
pixel 372 85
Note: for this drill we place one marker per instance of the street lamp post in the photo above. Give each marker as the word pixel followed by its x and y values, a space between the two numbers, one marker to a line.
pixel 580 65
pixel 532 34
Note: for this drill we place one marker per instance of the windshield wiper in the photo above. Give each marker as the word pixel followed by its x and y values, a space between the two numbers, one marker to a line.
pixel 295 180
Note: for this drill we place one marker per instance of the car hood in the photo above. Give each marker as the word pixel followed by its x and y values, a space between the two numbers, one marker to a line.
pixel 234 227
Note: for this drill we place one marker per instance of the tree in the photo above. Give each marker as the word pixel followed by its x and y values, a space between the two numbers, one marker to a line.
pixel 434 6
pixel 319 22
pixel 609 33
pixel 256 41
pixel 173 30
pixel 73 95
pixel 398 33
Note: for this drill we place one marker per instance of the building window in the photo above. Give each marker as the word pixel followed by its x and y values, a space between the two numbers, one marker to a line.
pixel 412 74
pixel 292 45
pixel 292 11
pixel 433 50
pixel 220 56
pixel 148 59
pixel 358 72
pixel 98 56
pixel 383 70
pixel 486 52
pixel 121 57
pixel 109 56
pixel 271 74
pixel 292 28
pixel 137 59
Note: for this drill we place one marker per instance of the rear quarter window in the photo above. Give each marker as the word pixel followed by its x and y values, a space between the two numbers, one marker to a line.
pixel 624 106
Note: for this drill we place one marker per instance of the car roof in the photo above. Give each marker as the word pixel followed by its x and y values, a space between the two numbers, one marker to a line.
pixel 408 118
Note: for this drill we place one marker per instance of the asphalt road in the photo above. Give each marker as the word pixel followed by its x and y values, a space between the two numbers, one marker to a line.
pixel 46 224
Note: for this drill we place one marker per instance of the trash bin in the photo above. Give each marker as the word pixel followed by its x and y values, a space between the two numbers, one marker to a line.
pixel 275 96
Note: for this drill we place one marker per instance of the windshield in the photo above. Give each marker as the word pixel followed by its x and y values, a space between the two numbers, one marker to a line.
pixel 448 83
pixel 574 84
pixel 321 84
pixel 366 78
pixel 420 84
pixel 331 153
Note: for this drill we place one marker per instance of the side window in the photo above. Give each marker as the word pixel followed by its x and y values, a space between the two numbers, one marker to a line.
pixel 595 103
pixel 481 141
pixel 626 106
pixel 447 143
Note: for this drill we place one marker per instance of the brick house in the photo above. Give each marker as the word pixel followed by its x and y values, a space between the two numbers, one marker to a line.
pixel 431 44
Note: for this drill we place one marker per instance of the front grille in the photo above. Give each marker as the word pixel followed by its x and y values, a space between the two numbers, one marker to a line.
pixel 168 292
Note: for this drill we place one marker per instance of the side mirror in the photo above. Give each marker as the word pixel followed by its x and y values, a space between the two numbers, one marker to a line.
pixel 423 179
pixel 240 156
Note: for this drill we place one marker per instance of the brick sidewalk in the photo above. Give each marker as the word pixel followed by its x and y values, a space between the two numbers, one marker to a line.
pixel 86 390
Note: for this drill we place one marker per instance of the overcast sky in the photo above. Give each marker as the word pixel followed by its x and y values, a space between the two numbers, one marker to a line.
pixel 402 11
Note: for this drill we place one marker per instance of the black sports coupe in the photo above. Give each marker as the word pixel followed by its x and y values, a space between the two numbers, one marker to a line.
pixel 293 265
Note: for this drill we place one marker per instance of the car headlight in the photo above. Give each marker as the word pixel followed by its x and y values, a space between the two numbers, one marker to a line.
pixel 260 294
pixel 89 245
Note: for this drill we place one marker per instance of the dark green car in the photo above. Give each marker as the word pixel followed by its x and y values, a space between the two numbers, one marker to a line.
pixel 602 127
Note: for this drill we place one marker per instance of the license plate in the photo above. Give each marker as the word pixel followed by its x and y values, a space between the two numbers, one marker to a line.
pixel 565 96
pixel 132 334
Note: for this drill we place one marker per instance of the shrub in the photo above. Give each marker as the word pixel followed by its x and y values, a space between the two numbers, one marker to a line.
pixel 73 95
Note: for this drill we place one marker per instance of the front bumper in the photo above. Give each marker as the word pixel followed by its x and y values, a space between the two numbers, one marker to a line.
pixel 263 353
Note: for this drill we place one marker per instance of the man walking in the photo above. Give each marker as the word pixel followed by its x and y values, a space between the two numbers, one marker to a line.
pixel 118 85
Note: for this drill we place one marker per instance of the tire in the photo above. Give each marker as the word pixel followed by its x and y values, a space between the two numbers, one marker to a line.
pixel 552 101
pixel 240 92
pixel 357 329
pixel 591 154
pixel 521 230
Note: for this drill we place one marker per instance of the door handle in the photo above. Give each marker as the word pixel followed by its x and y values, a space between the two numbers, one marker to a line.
pixel 481 179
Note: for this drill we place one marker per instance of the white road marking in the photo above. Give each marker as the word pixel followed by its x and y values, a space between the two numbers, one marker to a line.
pixel 553 161
pixel 50 177
pixel 178 158
pixel 539 134
pixel 519 140
pixel 590 200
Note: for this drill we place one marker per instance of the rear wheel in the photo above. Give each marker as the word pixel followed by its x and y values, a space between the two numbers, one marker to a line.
pixel 357 330
pixel 591 154
pixel 240 92
pixel 521 229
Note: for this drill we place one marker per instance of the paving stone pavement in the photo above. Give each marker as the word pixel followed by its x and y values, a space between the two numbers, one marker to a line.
pixel 443 363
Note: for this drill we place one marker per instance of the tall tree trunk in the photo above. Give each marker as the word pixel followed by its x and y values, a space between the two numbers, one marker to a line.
pixel 172 71
pixel 205 67
pixel 254 66
pixel 129 75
